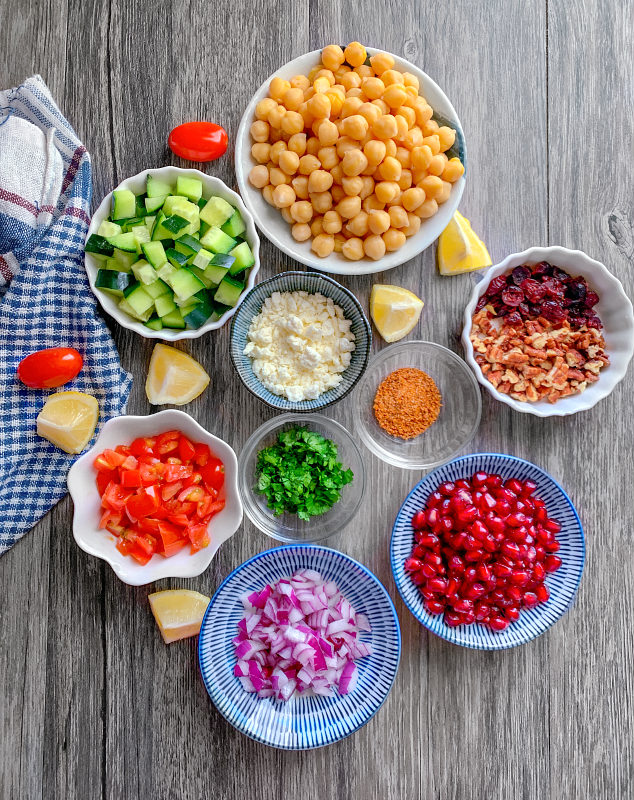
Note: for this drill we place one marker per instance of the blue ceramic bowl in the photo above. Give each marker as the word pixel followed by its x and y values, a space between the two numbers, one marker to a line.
pixel 312 283
pixel 302 723
pixel 562 584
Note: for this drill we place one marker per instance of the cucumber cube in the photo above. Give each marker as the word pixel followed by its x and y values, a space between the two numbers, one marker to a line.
pixel 234 226
pixel 149 223
pixel 185 284
pixel 229 291
pixel 144 272
pixel 154 253
pixel 158 289
pixel 154 324
pixel 123 241
pixel 123 204
pixel 216 212
pixel 141 234
pixel 201 276
pixel 175 258
pixel 108 228
pixel 99 246
pixel 243 258
pixel 217 241
pixel 156 187
pixel 164 304
pixel 113 283
pixel 153 204
pixel 188 245
pixel 191 188
pixel 202 259
pixel 124 259
pixel 174 319
pixel 166 271
pixel 174 225
pixel 201 312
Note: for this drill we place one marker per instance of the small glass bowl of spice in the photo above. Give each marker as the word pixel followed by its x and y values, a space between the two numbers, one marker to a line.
pixel 418 405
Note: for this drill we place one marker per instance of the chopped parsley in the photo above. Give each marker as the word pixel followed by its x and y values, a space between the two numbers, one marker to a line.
pixel 300 474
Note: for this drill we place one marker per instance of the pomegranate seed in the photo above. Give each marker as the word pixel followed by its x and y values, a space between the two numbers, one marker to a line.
pixel 496 525
pixel 489 544
pixel 467 514
pixel 542 593
pixel 552 563
pixel 470 574
pixel 463 484
pixel 446 524
pixel 413 564
pixel 540 552
pixel 452 587
pixel 503 508
pixel 418 520
pixel 493 481
pixel 514 593
pixel 510 549
pixel 502 570
pixel 531 554
pixel 483 571
pixel 445 506
pixel 482 611
pixel 434 559
pixel 506 494
pixel 528 488
pixel 475 591
pixel 539 572
pixel 456 564
pixel 513 485
pixel 463 605
pixel 446 488
pixel 427 593
pixel 429 540
pixel 552 546
pixel 468 618
pixel 434 499
pixel 452 620
pixel 541 515
pixel 432 517
pixel 512 613
pixel 530 599
pixel 520 506
pixel 419 551
pixel 479 530
pixel 552 526
pixel 498 623
pixel 437 585
pixel 479 479
pixel 487 502
pixel 474 555
pixel 428 571
pixel 435 606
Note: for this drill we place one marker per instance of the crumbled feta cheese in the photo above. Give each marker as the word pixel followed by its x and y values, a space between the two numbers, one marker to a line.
pixel 299 344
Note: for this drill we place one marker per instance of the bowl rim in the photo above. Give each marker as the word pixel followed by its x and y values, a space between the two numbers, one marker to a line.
pixel 366 324
pixel 91 267
pixel 548 253
pixel 164 568
pixel 270 426
pixel 422 617
pixel 370 442
pixel 351 562
pixel 364 266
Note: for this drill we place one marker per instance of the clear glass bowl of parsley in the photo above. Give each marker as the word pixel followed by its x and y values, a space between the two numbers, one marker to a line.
pixel 301 477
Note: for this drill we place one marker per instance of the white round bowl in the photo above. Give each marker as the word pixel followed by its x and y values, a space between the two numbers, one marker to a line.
pixel 269 220
pixel 614 309
pixel 137 183
pixel 100 543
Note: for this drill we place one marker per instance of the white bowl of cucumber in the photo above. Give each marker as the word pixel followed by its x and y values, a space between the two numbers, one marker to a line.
pixel 171 253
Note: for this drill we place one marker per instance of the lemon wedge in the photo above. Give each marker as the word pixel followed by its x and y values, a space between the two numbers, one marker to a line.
pixel 68 420
pixel 460 249
pixel 178 613
pixel 174 377
pixel 394 310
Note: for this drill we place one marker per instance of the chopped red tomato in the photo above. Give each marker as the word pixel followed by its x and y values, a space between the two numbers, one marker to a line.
pixel 159 494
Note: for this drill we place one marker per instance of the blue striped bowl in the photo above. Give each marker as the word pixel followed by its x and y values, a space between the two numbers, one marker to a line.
pixel 310 282
pixel 562 584
pixel 302 723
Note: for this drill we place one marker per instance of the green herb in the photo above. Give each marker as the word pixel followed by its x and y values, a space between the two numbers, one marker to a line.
pixel 300 474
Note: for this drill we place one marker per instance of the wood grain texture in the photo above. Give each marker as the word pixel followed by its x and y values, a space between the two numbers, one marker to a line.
pixel 93 705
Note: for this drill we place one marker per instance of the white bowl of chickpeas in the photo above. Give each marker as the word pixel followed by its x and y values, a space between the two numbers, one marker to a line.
pixel 351 161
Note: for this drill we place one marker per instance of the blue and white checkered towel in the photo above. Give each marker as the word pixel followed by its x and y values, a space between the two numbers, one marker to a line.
pixel 45 194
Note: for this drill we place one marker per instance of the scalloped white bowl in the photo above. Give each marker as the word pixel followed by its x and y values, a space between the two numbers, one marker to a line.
pixel 269 220
pixel 137 183
pixel 614 309
pixel 100 543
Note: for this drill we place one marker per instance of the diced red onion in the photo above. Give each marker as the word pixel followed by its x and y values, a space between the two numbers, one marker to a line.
pixel 296 635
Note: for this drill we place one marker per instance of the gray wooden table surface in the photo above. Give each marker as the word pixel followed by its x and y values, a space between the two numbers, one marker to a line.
pixel 92 703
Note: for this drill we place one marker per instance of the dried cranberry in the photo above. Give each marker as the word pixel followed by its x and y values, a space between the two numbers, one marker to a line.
pixel 591 299
pixel 552 311
pixel 481 303
pixel 512 296
pixel 524 309
pixel 534 291
pixel 496 286
pixel 576 290
pixel 520 274
pixel 592 321
pixel 560 275
pixel 576 322
pixel 554 288
pixel 543 268
pixel 514 318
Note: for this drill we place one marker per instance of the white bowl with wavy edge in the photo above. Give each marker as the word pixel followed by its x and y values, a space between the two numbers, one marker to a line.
pixel 614 309
pixel 137 184
pixel 100 543
pixel 269 220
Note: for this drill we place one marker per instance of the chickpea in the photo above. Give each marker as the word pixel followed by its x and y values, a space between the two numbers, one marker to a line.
pixel 381 105
pixel 394 95
pixel 390 169
pixel 322 201
pixel 413 225
pixel 431 127
pixel 411 80
pixel 316 226
pixel 374 247
pixel 306 115
pixel 260 131
pixel 344 144
pixel 327 133
pixel 368 186
pixel 289 162
pixel 308 164
pixel 355 126
pixel 332 56
pixel 428 209
pixel 340 240
pixel 292 123
pixel 283 196
pixel 293 98
pixel 404 157
pixel 373 88
pixel 381 62
pixel 386 191
pixel 275 117
pixel 337 174
pixel 443 196
pixel 260 152
pixel 349 207
pixel 278 88
pixel 355 54
pixel 352 186
pixel 432 186
pixel 454 169
pixel 406 179
pixel 353 249
pixel 385 127
pixel 328 74
pixel 321 85
pixel 398 217
pixel 421 156
pixel 350 106
pixel 300 186
pixel 413 198
pixel 286 215
pixel 350 81
pixel 328 157
pixel 447 137
pixel 332 222
pixel 277 176
pixel 418 175
pixel 267 194
pixel 393 77
pixel 342 71
pixel 259 176
pixel 276 151
pixel 401 127
pixel 358 225
pixel 319 181
pixel 364 71
pixel 301 211
pixel 297 143
pixel 300 82
pixel 372 203
pixel 408 114
pixel 337 194
pixel 393 239
pixel 300 232
pixel 313 73
pixel 433 142
pixel 263 107
pixel 413 138
pixel 423 112
pixel 353 162
pixel 397 200
pixel 375 151
pixel 369 111
pixel 437 164
pixel 319 106
pixel 336 101
pixel 323 244
pixel 378 221
pixel 312 146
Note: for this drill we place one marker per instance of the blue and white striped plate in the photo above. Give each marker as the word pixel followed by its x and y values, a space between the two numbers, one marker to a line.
pixel 302 723
pixel 562 584
pixel 310 282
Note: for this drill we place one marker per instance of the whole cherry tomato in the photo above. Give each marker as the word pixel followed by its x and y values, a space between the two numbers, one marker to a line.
pixel 198 141
pixel 47 369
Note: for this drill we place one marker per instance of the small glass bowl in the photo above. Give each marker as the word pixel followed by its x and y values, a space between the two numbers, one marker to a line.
pixel 287 527
pixel 459 415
